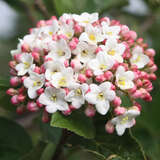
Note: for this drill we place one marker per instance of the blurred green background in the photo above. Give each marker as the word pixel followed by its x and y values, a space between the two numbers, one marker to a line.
pixel 143 16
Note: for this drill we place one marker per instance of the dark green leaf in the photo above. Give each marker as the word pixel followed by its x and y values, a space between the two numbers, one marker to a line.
pixel 14 141
pixel 77 122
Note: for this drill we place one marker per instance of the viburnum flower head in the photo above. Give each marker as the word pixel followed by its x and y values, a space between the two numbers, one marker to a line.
pixel 81 61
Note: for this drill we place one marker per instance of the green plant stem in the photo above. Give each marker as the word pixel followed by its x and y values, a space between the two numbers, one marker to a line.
pixel 59 148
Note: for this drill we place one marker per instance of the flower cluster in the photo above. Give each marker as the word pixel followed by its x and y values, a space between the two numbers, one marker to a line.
pixel 82 61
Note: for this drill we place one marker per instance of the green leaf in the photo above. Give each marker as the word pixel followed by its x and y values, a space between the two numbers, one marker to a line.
pixel 77 122
pixel 76 6
pixel 14 141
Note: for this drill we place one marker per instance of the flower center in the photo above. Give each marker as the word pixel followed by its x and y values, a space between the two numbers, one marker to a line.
pixel 26 65
pixel 84 53
pixel 37 83
pixel 100 96
pixel 121 81
pixel 111 52
pixel 92 37
pixel 60 53
pixel 86 21
pixel 78 92
pixel 137 59
pixel 124 120
pixel 69 34
pixel 50 33
pixel 62 82
pixel 103 67
pixel 53 97
pixel 109 33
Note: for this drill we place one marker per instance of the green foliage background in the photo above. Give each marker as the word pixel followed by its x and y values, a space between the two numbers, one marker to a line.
pixel 147 130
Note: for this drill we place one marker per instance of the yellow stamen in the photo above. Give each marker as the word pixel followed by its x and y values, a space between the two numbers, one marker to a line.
pixel 60 53
pixel 62 82
pixel 121 81
pixel 85 21
pixel 50 33
pixel 92 37
pixel 78 92
pixel 124 120
pixel 37 83
pixel 53 97
pixel 111 52
pixel 109 33
pixel 27 65
pixel 103 67
pixel 69 34
pixel 100 96
pixel 84 53
pixel 137 59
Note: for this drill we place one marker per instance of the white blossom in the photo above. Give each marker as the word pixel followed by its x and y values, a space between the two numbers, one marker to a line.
pixel 124 79
pixel 100 96
pixel 53 99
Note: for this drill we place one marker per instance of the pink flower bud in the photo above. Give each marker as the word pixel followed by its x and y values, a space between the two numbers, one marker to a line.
pixel 153 68
pixel 132 90
pixel 150 64
pixel 39 104
pixel 72 108
pixel 45 117
pixel 25 47
pixel 32 106
pixel 21 98
pixel 82 78
pixel 14 100
pixel 78 28
pixel 12 64
pixel 152 76
pixel 40 91
pixel 117 101
pixel 133 34
pixel 100 78
pixel 13 72
pixel 150 52
pixel 136 94
pixel 138 106
pixel 90 111
pixel 72 45
pixel 49 22
pixel 62 36
pixel 42 69
pixel 89 73
pixel 119 110
pixel 36 56
pixel 66 63
pixel 54 18
pixel 20 109
pixel 108 75
pixel 41 23
pixel 124 29
pixel 113 87
pixel 17 57
pixel 105 19
pixel 37 70
pixel 98 50
pixel 11 91
pixel 139 83
pixel 54 37
pixel 15 81
pixel 21 90
pixel 67 112
pixel 115 66
pixel 140 40
pixel 66 90
pixel 109 127
pixel 76 64
pixel 23 78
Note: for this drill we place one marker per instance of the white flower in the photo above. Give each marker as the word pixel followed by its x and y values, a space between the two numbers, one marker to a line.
pixel 85 18
pixel 26 62
pixel 100 96
pixel 52 67
pixel 85 52
pixel 101 63
pixel 53 99
pixel 34 82
pixel 110 31
pixel 60 50
pixel 65 17
pixel 77 94
pixel 138 58
pixel 91 35
pixel 124 79
pixel 67 30
pixel 127 120
pixel 16 51
pixel 63 78
pixel 114 49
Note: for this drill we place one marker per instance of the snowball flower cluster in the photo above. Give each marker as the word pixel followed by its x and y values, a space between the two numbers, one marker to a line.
pixel 81 61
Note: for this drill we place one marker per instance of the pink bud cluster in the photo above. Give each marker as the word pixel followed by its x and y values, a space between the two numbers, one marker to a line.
pixel 43 40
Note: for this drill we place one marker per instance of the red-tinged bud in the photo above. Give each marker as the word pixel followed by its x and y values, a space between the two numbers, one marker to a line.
pixel 119 110
pixel 23 78
pixel 54 37
pixel 124 29
pixel 139 83
pixel 32 106
pixel 40 105
pixel 36 56
pixel 76 64
pixel 13 72
pixel 62 36
pixel 48 84
pixel 134 68
pixel 12 64
pixel 45 117
pixel 49 22
pixel 66 63
pixel 113 87
pixel 41 23
pixel 133 34
pixel 17 57
pixel 40 91
pixel 109 127
pixel 21 90
pixel 25 47
pixel 108 75
pixel 148 98
pixel 150 52
pixel 72 45
pixel 77 28
pixel 152 76
pixel 132 90
pixel 105 19
pixel 11 91
pixel 150 64
pixel 21 98
pixel 136 94
pixel 67 112
pixel 42 69
pixel 37 70
pixel 117 101
pixel 138 106
pixel 53 18
pixel 82 78
pixel 66 90
pixel 20 109
pixel 140 40
pixel 98 50
pixel 115 66
pixel 153 68
pixel 100 78
pixel 14 100
pixel 72 108
pixel 90 111
pixel 144 75
pixel 115 22
pixel 89 73
pixel 15 81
